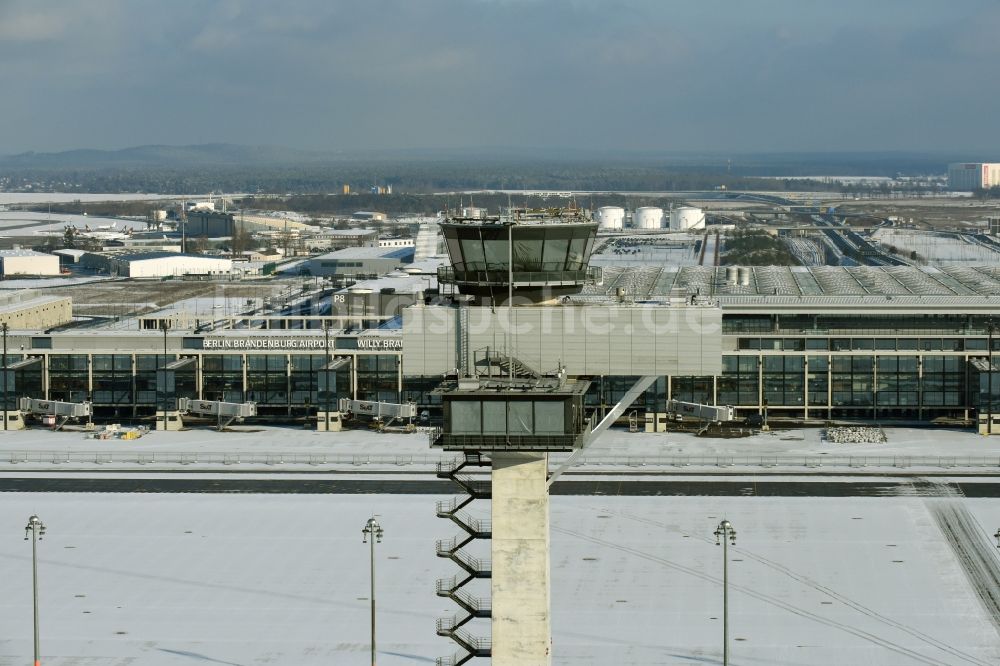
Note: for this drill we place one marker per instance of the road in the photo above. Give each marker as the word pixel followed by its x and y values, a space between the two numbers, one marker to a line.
pixel 888 487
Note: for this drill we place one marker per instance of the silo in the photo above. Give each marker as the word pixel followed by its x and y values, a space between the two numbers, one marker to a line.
pixel 687 217
pixel 610 217
pixel 647 217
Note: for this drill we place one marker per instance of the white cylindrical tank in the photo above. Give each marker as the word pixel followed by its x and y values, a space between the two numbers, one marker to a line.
pixel 610 217
pixel 687 217
pixel 731 275
pixel 647 217
pixel 744 276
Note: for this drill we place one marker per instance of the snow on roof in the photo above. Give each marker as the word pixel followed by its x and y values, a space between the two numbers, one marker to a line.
pixel 22 253
pixel 367 253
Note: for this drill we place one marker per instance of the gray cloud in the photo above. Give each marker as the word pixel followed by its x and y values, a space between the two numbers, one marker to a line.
pixel 712 75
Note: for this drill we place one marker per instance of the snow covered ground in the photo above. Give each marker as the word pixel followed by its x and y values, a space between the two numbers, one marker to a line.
pixel 935 247
pixel 242 579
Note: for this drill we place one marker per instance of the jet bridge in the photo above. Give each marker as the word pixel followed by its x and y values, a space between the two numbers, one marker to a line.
pixel 55 413
pixel 225 412
pixel 383 414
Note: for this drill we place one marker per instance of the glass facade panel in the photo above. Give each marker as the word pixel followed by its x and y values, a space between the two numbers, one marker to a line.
pixel 738 383
pixel 784 381
pixel 556 251
pixel 68 378
pixel 851 380
pixel 222 375
pixel 943 381
pixel 466 417
pixel 520 417
pixel 818 380
pixel 549 417
pixel 494 417
pixel 112 379
pixel 267 379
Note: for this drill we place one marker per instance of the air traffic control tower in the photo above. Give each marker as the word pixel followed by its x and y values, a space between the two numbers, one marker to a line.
pixel 519 343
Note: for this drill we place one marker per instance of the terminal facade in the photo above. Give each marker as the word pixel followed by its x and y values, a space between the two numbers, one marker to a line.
pixel 910 356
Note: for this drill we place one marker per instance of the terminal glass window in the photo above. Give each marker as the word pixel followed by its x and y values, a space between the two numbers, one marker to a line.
pixel 944 377
pixel 818 380
pixel 304 380
pixel 852 381
pixel 378 377
pixel 898 381
pixel 267 379
pixel 69 378
pixel 784 381
pixel 222 376
pixel 112 379
pixel 692 389
pixel 738 383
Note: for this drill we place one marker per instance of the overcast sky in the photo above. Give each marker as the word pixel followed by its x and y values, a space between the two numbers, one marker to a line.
pixel 650 75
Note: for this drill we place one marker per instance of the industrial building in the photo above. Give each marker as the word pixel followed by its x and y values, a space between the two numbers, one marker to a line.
pixel 154 264
pixel 360 261
pixel 337 239
pixel 28 263
pixel 215 224
pixel 970 176
pixel 369 215
pixel 29 310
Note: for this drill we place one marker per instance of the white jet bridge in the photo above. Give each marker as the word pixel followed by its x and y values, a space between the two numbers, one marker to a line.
pixel 55 412
pixel 226 412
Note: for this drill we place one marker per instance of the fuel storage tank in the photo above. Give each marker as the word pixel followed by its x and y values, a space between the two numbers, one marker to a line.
pixel 647 217
pixel 687 217
pixel 610 217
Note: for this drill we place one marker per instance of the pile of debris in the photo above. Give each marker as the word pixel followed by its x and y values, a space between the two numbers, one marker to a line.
pixel 856 435
pixel 116 431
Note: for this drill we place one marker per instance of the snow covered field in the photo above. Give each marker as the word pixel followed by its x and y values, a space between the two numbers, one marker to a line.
pixel 935 247
pixel 243 579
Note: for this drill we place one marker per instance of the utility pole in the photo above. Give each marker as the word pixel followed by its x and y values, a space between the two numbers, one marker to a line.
pixel 374 530
pixel 37 529
pixel 6 405
pixel 989 376
pixel 326 373
pixel 726 534
pixel 164 326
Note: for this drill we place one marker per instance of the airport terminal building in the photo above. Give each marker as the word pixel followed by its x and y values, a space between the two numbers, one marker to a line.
pixel 822 343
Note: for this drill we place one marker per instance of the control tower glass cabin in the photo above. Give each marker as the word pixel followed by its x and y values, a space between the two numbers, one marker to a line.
pixel 543 415
pixel 546 252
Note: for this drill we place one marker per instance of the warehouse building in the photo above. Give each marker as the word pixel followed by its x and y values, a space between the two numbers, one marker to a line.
pixel 28 310
pixel 971 176
pixel 355 262
pixel 155 264
pixel 28 263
